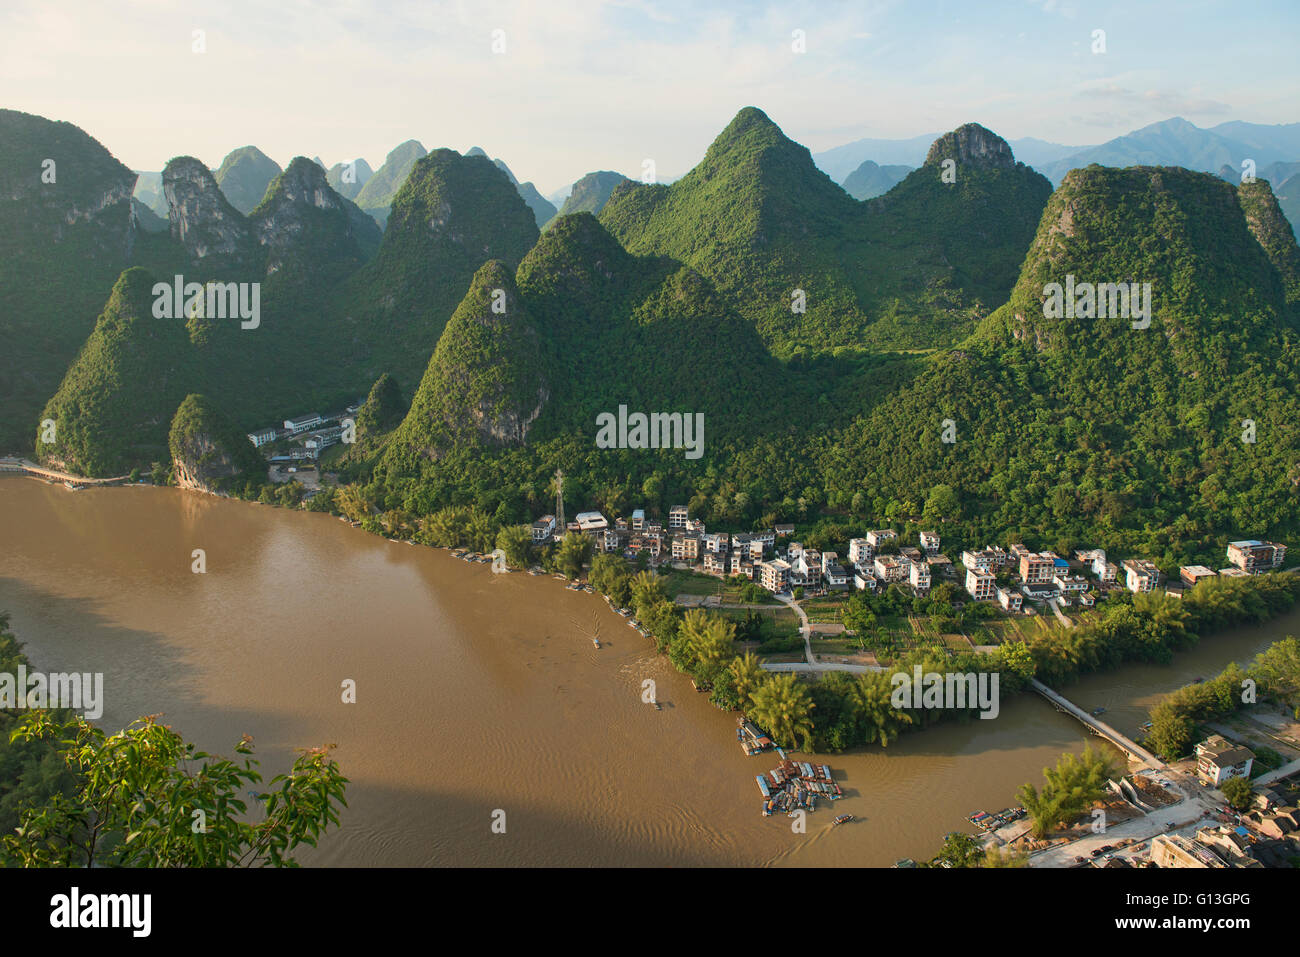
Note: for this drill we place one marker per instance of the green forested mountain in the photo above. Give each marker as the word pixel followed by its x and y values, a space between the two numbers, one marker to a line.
pixel 116 403
pixel 330 320
pixel 244 175
pixel 1065 426
pixel 485 384
pixel 207 451
pixel 812 268
pixel 65 235
pixel 591 193
pixel 380 189
pixel 347 179
pixel 1088 429
pixel 871 180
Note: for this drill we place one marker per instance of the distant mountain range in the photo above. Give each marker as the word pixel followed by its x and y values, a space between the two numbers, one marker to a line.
pixel 830 342
pixel 1275 150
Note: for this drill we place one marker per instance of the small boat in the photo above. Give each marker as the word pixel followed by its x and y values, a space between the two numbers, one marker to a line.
pixel 843 819
pixel 70 487
pixel 595 641
pixel 1098 712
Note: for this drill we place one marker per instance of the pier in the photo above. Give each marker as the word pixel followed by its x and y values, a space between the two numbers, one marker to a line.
pixel 53 475
pixel 1100 728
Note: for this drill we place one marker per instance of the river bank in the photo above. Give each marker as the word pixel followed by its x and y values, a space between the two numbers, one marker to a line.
pixel 475 692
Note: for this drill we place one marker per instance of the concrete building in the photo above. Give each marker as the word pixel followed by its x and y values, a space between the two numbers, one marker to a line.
pixel 889 568
pixel 1009 598
pixel 1218 759
pixel 879 536
pixel 980 583
pixel 1191 574
pixel 301 423
pixel 1255 557
pixel 543 528
pixel 861 552
pixel 590 522
pixel 1037 569
pixel 1171 850
pixel 918 576
pixel 678 516
pixel 1140 575
pixel 775 575
pixel 929 542
pixel 263 436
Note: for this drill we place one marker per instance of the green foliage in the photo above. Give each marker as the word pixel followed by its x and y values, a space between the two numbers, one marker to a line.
pixel 1072 787
pixel 147 798
pixel 208 448
pixel 1274 673
pixel 32 772
pixel 572 554
pixel 1238 792
pixel 784 708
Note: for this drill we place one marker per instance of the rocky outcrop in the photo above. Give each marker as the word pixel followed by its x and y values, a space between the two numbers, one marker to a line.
pixel 971 145
pixel 201 218
pixel 302 217
pixel 208 453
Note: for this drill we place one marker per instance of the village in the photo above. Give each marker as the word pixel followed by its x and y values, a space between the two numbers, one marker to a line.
pixel 297 445
pixel 1006 577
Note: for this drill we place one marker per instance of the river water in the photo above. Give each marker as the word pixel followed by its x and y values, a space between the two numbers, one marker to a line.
pixel 475 693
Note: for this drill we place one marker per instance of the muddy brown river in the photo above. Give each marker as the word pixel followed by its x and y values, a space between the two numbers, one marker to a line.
pixel 475 693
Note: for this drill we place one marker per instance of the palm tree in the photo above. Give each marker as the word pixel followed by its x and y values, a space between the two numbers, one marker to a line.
pixel 872 696
pixel 746 675
pixel 784 707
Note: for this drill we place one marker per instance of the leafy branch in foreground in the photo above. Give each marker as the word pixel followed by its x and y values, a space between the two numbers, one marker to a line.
pixel 145 797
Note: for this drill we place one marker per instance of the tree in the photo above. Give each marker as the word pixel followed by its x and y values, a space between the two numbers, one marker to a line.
pixel 783 706
pixel 516 541
pixel 1171 731
pixel 1072 787
pixel 960 850
pixel 1278 670
pixel 878 720
pixel 746 675
pixel 942 504
pixel 147 798
pixel 706 640
pixel 1238 792
pixel 574 550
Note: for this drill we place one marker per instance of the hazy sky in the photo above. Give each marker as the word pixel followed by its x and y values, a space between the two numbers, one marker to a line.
pixel 604 85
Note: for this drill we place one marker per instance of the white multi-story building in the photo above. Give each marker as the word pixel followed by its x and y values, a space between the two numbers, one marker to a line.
pixel 543 528
pixel 678 516
pixel 775 575
pixel 1140 575
pixel 877 537
pixel 919 575
pixel 980 583
pixel 262 436
pixel 860 551
pixel 929 542
pixel 1255 557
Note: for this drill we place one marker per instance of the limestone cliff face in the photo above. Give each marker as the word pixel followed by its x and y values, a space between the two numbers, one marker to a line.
pixel 207 452
pixel 971 145
pixel 303 216
pixel 201 218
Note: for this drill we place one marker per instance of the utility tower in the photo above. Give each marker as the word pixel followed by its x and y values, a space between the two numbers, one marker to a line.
pixel 559 504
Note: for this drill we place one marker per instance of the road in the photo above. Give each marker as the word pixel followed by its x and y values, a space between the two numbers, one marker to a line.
pixel 1060 616
pixel 818 667
pixel 805 629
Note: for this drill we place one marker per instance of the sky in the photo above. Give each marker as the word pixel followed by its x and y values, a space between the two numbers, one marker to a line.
pixel 558 88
